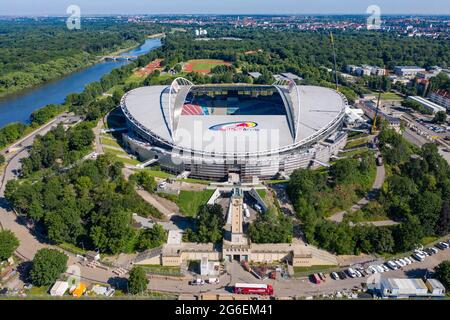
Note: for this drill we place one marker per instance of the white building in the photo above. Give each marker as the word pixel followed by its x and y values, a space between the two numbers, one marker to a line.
pixel 59 288
pixel 365 70
pixel 433 107
pixel 408 71
pixel 354 116
pixel 406 288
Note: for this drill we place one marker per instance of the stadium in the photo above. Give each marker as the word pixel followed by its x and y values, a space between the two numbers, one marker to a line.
pixel 254 131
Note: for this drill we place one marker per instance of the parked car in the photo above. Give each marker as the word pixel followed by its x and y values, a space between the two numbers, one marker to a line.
pixel 446 245
pixel 342 275
pixel 213 280
pixel 391 264
pixel 379 268
pixel 372 270
pixel 351 273
pixel 358 274
pixel 321 276
pixel 334 275
pixel 398 263
pixel 419 255
pixel 408 261
pixel 197 282
pixel 434 250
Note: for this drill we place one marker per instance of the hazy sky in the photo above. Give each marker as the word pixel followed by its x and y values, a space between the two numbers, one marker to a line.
pixel 58 7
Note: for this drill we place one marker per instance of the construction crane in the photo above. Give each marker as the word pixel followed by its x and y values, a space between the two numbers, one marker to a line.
pixel 374 125
pixel 375 118
pixel 334 58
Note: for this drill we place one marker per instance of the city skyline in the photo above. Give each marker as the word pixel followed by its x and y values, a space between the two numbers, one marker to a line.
pixel 266 7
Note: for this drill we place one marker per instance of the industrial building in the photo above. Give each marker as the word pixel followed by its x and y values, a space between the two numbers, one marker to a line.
pixel 431 106
pixel 408 71
pixel 410 288
pixel 212 131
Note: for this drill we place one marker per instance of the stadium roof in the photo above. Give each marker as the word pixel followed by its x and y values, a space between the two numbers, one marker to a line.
pixel 310 110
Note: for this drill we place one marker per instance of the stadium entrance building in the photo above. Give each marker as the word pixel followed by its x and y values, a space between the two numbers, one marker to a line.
pixel 251 130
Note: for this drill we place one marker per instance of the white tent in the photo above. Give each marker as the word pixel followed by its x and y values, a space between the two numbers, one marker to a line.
pixel 59 288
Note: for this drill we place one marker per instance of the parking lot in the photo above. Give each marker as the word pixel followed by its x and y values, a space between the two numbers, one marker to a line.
pixel 363 274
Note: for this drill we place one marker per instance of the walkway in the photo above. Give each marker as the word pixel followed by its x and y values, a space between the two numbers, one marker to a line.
pixel 377 184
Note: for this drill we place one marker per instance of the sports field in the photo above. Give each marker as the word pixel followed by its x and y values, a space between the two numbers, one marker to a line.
pixel 203 65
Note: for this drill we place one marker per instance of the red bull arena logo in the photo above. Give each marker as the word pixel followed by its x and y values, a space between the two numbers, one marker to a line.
pixel 235 126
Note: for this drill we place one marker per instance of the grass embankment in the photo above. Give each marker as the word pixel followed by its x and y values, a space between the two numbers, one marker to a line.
pixel 356 143
pixel 190 201
pixel 162 270
pixel 304 271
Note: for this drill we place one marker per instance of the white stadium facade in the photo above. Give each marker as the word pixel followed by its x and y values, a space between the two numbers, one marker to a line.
pixel 211 131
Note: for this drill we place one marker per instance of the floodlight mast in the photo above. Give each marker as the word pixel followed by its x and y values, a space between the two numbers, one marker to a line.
pixel 335 63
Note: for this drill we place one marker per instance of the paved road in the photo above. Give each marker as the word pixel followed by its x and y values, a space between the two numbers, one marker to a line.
pixel 414 138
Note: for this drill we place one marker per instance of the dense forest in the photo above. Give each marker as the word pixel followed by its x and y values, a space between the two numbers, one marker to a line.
pixel 32 52
pixel 90 206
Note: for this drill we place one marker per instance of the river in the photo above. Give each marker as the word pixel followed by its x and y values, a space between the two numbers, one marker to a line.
pixel 19 107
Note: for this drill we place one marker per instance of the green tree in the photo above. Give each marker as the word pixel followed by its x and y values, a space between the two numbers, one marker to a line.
pixel 210 222
pixel 144 180
pixel 408 234
pixel 152 238
pixel 8 244
pixel 137 281
pixel 442 273
pixel 440 117
pixel 47 266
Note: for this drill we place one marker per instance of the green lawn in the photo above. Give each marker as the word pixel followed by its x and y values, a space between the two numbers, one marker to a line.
pixel 190 201
pixel 38 291
pixel 275 181
pixel 390 96
pixel 304 271
pixel 131 162
pixel 158 174
pixel 354 153
pixel 109 142
pixel 262 193
pixel 198 181
pixel 162 270
pixel 113 152
pixel 355 143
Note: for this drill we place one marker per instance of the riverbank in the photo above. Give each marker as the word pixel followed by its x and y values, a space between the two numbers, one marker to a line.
pixel 19 107
pixel 92 60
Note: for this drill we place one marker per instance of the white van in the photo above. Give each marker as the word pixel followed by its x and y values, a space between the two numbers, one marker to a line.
pixel 392 265
pixel 351 273
pixel 213 280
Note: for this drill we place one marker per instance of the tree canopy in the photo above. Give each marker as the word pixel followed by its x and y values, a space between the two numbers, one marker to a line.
pixel 8 244
pixel 47 267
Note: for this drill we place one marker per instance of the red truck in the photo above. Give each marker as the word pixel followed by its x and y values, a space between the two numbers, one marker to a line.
pixel 253 288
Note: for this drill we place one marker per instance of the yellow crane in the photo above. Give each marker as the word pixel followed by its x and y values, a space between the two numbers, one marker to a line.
pixel 375 118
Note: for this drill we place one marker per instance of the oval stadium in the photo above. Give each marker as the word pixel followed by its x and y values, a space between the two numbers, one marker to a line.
pixel 215 130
